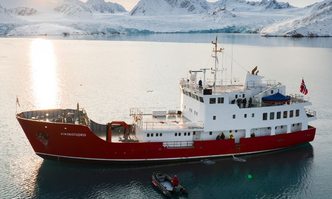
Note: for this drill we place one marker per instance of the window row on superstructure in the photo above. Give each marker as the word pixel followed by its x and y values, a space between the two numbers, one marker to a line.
pixel 184 133
pixel 194 96
pixel 152 134
pixel 281 114
pixel 219 100
pixel 214 117
pixel 175 134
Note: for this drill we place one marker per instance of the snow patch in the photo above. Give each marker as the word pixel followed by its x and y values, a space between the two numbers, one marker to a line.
pixel 44 29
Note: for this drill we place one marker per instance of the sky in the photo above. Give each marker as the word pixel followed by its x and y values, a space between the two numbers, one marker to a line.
pixel 129 4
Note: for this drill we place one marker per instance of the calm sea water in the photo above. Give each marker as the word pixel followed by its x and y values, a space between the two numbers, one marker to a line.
pixel 109 77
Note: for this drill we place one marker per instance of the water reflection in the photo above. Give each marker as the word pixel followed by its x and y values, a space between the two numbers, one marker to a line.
pixel 286 173
pixel 44 76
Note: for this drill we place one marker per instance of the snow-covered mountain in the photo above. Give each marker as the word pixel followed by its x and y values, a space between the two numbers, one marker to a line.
pixel 221 14
pixel 105 7
pixel 182 7
pixel 270 4
pixel 317 21
pixel 4 15
pixel 243 5
pixel 22 11
pixel 166 7
pixel 73 8
pixel 92 19
pixel 36 4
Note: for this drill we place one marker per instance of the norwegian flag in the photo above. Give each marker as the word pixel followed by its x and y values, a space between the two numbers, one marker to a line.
pixel 303 88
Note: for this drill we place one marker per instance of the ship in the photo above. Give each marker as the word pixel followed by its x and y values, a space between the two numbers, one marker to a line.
pixel 216 118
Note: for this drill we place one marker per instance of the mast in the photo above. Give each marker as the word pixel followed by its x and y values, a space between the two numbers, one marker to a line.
pixel 216 61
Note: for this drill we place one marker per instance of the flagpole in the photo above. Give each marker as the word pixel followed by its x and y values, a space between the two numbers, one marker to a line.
pixel 17 103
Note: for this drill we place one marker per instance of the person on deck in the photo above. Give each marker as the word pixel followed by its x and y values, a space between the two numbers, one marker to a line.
pixel 175 181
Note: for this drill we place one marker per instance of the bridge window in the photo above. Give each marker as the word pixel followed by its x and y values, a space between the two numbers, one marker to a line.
pixel 285 114
pixel 297 113
pixel 272 116
pixel 253 115
pixel 179 134
pixel 291 113
pixel 214 117
pixel 201 99
pixel 245 115
pixel 212 100
pixel 278 115
pixel 264 116
pixel 220 100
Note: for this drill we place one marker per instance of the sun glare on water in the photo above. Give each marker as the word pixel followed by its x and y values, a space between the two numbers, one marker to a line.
pixel 44 76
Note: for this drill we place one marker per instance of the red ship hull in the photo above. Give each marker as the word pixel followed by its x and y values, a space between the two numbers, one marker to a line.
pixel 78 142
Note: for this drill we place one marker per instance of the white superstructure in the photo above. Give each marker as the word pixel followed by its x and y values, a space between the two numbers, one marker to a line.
pixel 218 110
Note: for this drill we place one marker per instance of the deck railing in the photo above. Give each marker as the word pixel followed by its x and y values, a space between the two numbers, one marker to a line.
pixel 257 102
pixel 296 98
pixel 170 125
pixel 262 84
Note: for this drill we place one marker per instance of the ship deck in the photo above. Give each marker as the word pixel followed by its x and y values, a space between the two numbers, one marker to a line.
pixel 159 118
pixel 69 116
pixel 167 122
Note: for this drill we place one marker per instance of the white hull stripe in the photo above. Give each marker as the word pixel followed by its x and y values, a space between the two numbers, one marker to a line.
pixel 156 159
